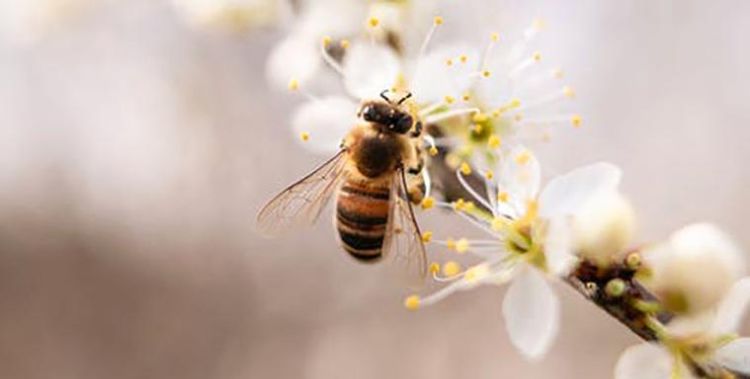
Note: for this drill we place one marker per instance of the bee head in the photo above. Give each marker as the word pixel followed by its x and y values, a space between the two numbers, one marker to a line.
pixel 387 115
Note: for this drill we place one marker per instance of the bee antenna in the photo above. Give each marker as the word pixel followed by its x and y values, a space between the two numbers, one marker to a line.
pixel 408 95
pixel 382 94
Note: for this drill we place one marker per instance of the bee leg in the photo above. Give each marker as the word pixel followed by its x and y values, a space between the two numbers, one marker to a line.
pixel 420 162
pixel 417 130
pixel 416 190
pixel 416 170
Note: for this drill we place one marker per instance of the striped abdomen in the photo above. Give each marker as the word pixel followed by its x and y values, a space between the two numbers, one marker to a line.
pixel 361 218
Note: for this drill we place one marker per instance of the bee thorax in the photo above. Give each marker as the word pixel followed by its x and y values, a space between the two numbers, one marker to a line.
pixel 377 155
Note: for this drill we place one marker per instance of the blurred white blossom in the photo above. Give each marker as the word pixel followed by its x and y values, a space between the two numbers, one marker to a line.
pixel 362 80
pixel 24 21
pixel 694 269
pixel 234 14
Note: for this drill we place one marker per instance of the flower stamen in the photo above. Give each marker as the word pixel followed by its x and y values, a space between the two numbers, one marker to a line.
pixel 328 58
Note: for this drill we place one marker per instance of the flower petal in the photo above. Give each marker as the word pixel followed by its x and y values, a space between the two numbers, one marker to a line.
pixel 531 312
pixel 326 121
pixel 644 361
pixel 369 69
pixel 558 247
pixel 436 79
pixel 735 356
pixel 567 193
pixel 296 57
pixel 733 307
pixel 335 18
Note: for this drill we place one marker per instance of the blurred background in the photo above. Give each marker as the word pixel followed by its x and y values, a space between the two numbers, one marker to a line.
pixel 136 146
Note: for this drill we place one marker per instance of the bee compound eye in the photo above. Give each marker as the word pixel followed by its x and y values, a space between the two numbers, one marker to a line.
pixel 369 113
pixel 403 123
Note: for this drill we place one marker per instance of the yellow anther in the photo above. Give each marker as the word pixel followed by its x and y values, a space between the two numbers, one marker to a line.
pixel 479 117
pixel 326 41
pixel 373 22
pixel 499 223
pixel 502 196
pixel 495 37
pixel 450 243
pixel 434 268
pixel 428 202
pixel 523 157
pixel 451 268
pixel 537 56
pixel 469 206
pixel 569 92
pixel 427 237
pixel 558 73
pixel 466 96
pixel 486 73
pixel 576 120
pixel 293 85
pixel 476 273
pixel 344 43
pixel 493 142
pixel 438 20
pixel 459 205
pixel 462 245
pixel 489 174
pixel 477 128
pixel 465 168
pixel 305 136
pixel 433 151
pixel 515 103
pixel 449 99
pixel 449 62
pixel 412 302
pixel 496 113
pixel 463 58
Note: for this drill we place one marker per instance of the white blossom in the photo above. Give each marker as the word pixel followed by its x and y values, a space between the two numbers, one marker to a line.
pixel 530 240
pixel 517 95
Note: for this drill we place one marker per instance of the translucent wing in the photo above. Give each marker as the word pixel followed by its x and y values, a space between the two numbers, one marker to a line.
pixel 302 202
pixel 403 238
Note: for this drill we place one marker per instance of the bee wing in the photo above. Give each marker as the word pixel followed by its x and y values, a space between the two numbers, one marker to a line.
pixel 403 238
pixel 302 202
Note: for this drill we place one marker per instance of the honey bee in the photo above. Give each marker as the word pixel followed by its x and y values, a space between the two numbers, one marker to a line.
pixel 375 177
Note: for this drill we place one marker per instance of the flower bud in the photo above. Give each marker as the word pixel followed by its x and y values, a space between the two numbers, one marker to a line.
pixel 603 227
pixel 694 270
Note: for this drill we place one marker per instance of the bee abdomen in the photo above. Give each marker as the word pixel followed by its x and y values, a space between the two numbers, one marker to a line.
pixel 361 218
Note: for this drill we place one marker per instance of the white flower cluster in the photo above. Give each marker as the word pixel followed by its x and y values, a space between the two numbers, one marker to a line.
pixel 488 100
